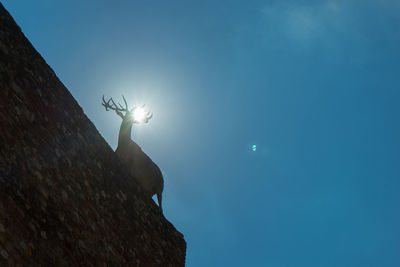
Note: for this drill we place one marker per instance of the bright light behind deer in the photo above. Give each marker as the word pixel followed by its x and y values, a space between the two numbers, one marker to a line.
pixel 139 114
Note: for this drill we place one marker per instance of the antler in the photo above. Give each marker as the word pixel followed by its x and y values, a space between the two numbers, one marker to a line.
pixel 148 116
pixel 113 106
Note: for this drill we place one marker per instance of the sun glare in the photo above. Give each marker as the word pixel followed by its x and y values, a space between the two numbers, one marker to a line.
pixel 139 114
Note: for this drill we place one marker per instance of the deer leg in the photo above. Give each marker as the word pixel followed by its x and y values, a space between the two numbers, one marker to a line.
pixel 159 198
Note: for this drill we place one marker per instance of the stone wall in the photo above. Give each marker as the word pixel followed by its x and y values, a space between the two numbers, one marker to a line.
pixel 65 200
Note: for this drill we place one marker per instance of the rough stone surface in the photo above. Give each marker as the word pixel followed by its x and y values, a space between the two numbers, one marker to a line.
pixel 65 199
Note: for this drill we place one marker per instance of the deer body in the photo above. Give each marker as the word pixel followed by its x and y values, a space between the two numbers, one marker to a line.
pixel 138 164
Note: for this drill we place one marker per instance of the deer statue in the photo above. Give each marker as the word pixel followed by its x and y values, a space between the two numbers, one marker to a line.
pixel 139 165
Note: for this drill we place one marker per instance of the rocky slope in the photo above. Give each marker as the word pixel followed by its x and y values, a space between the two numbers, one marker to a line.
pixel 65 200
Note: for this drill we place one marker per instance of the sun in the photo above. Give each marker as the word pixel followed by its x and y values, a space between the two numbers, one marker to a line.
pixel 139 114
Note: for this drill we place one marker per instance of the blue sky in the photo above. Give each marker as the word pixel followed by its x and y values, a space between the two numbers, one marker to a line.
pixel 314 84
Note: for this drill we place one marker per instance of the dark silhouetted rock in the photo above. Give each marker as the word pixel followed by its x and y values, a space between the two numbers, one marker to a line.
pixel 65 199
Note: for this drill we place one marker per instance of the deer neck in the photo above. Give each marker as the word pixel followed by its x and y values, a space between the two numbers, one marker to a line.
pixel 124 137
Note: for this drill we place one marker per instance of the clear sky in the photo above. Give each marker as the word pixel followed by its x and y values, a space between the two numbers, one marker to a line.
pixel 315 85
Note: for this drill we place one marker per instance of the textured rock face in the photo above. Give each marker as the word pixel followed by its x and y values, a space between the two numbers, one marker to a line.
pixel 65 198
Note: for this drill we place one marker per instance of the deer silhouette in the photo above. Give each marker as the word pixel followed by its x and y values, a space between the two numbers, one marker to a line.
pixel 139 165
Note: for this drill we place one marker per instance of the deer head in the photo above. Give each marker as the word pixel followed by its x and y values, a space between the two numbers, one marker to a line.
pixel 129 117
pixel 134 115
